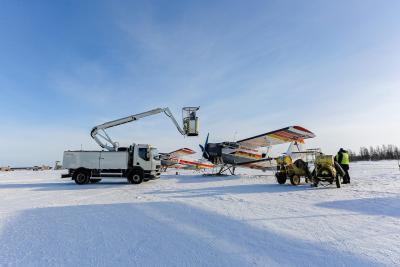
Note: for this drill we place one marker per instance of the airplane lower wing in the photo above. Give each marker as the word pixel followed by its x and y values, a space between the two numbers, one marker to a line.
pixel 281 136
pixel 187 164
pixel 261 164
pixel 194 164
pixel 174 160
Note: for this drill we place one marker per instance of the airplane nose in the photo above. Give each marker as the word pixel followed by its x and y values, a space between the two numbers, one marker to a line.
pixel 205 154
pixel 203 148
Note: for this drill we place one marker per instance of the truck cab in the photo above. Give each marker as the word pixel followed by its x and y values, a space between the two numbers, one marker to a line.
pixel 146 157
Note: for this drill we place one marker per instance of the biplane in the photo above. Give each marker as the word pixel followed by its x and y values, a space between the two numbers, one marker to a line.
pixel 175 160
pixel 253 152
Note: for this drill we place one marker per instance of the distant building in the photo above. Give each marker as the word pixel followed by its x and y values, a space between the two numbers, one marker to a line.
pixel 5 169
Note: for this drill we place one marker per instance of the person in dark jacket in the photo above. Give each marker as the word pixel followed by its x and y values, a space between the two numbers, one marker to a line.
pixel 343 158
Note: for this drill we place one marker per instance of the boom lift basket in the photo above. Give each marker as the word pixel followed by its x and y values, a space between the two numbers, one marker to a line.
pixel 190 121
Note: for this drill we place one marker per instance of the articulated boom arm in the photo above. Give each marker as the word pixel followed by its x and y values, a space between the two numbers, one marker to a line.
pixel 104 140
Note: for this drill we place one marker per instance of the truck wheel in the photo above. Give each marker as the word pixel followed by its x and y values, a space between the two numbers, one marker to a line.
pixel 81 177
pixel 94 181
pixel 337 181
pixel 281 177
pixel 135 177
pixel 295 180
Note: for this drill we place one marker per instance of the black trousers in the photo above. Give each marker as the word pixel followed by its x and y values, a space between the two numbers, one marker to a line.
pixel 346 178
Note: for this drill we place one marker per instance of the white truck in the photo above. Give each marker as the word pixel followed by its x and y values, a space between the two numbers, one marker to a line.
pixel 136 163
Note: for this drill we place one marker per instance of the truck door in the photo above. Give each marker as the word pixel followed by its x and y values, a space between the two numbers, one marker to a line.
pixel 143 159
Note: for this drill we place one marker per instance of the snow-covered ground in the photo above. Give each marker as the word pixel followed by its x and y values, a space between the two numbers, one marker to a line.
pixel 191 220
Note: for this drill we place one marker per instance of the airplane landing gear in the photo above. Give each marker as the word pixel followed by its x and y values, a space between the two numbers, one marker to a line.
pixel 223 171
pixel 225 168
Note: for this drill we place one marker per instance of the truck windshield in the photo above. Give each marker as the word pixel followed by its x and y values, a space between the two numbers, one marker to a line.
pixel 154 153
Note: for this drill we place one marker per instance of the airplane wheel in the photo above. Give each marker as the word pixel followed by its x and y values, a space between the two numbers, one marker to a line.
pixel 295 180
pixel 281 177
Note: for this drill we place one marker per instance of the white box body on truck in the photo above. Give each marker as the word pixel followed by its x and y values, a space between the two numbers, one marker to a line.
pixel 136 163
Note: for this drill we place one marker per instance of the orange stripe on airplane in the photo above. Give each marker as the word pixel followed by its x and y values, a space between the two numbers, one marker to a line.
pixel 280 137
pixel 295 135
pixel 198 164
pixel 247 154
pixel 289 135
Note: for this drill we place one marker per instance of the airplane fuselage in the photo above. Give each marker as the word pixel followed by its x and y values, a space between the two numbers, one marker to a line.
pixel 231 153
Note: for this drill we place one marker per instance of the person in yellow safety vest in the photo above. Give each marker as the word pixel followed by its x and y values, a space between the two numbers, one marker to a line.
pixel 343 158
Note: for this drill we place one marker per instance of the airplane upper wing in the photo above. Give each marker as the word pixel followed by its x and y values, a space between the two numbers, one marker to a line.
pixel 179 153
pixel 281 136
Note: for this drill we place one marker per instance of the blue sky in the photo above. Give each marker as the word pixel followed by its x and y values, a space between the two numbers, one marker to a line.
pixel 253 66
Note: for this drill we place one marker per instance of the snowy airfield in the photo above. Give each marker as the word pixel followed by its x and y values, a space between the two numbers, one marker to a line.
pixel 191 220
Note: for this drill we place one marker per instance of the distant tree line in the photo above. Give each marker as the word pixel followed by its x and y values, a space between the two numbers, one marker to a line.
pixel 384 152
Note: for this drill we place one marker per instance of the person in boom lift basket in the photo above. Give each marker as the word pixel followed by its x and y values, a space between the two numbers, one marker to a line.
pixel 343 158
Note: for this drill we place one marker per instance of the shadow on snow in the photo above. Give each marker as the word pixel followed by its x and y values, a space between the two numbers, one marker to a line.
pixel 384 206
pixel 153 234
pixel 66 185
pixel 182 178
pixel 234 189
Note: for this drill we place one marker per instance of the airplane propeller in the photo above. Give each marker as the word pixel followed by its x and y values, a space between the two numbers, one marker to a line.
pixel 203 148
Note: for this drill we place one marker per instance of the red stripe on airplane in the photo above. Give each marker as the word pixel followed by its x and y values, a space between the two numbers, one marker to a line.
pixel 302 129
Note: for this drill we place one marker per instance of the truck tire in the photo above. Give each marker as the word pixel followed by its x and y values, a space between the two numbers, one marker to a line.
pixel 295 180
pixel 135 177
pixel 281 177
pixel 81 177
